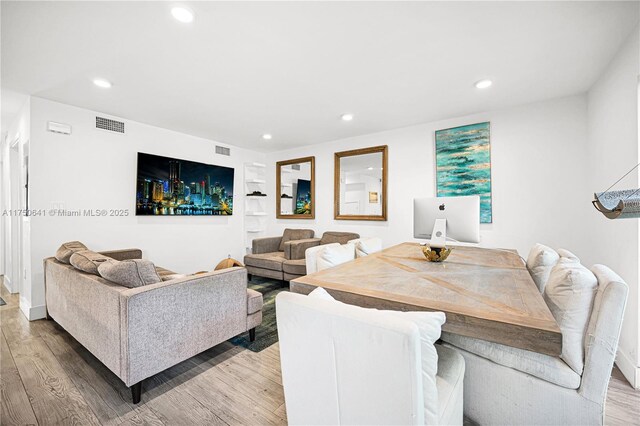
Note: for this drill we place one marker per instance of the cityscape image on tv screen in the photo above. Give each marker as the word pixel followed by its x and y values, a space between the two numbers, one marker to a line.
pixel 172 187
pixel 303 197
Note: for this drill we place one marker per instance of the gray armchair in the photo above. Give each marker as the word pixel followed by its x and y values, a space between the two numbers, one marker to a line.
pixel 295 264
pixel 282 258
pixel 269 254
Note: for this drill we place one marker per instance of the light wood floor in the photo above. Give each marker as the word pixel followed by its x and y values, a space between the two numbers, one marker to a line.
pixel 49 378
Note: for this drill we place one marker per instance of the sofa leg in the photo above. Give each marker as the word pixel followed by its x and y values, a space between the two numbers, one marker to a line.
pixel 136 392
pixel 252 334
pixel 249 277
pixel 283 283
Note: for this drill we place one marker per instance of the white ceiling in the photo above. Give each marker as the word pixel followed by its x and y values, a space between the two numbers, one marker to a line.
pixel 291 69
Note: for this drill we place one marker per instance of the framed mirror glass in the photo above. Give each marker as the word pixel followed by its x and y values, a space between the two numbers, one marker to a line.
pixel 295 188
pixel 360 189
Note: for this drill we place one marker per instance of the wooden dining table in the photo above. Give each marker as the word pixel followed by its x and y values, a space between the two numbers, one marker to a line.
pixel 485 293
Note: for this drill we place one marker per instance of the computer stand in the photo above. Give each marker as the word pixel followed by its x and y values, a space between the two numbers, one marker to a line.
pixel 439 233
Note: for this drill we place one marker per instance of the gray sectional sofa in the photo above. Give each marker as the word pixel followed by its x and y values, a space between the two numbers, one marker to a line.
pixel 139 332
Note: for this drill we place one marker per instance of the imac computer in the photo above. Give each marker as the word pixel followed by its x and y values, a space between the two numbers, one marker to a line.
pixel 437 218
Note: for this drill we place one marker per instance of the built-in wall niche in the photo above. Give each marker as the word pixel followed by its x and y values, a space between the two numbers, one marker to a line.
pixel 360 188
pixel 295 188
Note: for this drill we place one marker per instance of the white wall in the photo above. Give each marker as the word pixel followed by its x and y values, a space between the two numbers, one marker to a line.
pixel 613 150
pixel 12 149
pixel 96 169
pixel 538 174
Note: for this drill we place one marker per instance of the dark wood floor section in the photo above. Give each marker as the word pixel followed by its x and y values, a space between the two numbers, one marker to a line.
pixel 49 378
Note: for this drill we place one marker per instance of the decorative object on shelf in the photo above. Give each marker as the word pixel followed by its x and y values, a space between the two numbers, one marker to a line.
pixel 360 177
pixel 436 254
pixel 463 164
pixel 172 187
pixel 228 263
pixel 256 194
pixel 622 204
pixel 299 175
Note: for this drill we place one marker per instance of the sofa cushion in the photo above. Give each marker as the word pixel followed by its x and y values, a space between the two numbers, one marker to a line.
pixel 295 234
pixel 130 273
pixel 335 255
pixel 367 246
pixel 338 237
pixel 429 326
pixel 569 293
pixel 450 383
pixel 271 261
pixel 568 255
pixel 321 293
pixel 540 261
pixel 254 301
pixel 311 257
pixel 295 267
pixel 63 254
pixel 163 272
pixel 170 277
pixel 545 367
pixel 88 261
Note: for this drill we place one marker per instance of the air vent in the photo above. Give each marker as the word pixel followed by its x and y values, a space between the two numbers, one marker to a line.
pixel 295 166
pixel 110 125
pixel 223 150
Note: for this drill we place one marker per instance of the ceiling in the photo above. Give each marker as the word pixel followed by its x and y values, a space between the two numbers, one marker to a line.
pixel 241 69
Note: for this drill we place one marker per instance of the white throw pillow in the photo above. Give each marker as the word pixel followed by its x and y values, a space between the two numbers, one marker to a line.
pixel 429 325
pixel 335 255
pixel 321 293
pixel 311 257
pixel 568 255
pixel 569 293
pixel 366 246
pixel 540 261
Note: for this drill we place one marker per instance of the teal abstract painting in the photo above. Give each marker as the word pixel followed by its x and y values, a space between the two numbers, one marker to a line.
pixel 463 164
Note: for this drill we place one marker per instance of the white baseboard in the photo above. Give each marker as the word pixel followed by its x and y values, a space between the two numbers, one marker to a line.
pixel 629 369
pixel 32 312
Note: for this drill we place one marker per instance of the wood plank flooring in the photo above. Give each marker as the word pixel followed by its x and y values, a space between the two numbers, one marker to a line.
pixel 47 378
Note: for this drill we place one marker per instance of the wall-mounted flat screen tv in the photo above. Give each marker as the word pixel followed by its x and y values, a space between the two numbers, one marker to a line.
pixel 173 187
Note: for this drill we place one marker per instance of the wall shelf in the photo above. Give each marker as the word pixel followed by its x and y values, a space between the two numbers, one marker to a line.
pixel 255 214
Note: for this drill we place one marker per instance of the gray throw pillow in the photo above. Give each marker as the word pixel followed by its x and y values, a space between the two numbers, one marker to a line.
pixel 67 249
pixel 293 235
pixel 88 261
pixel 330 237
pixel 130 273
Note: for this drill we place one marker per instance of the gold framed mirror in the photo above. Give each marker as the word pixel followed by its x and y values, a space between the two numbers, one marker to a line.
pixel 360 184
pixel 295 188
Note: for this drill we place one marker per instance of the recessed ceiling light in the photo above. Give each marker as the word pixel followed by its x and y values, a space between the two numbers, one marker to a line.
pixel 483 84
pixel 266 136
pixel 370 168
pixel 182 14
pixel 347 117
pixel 101 82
